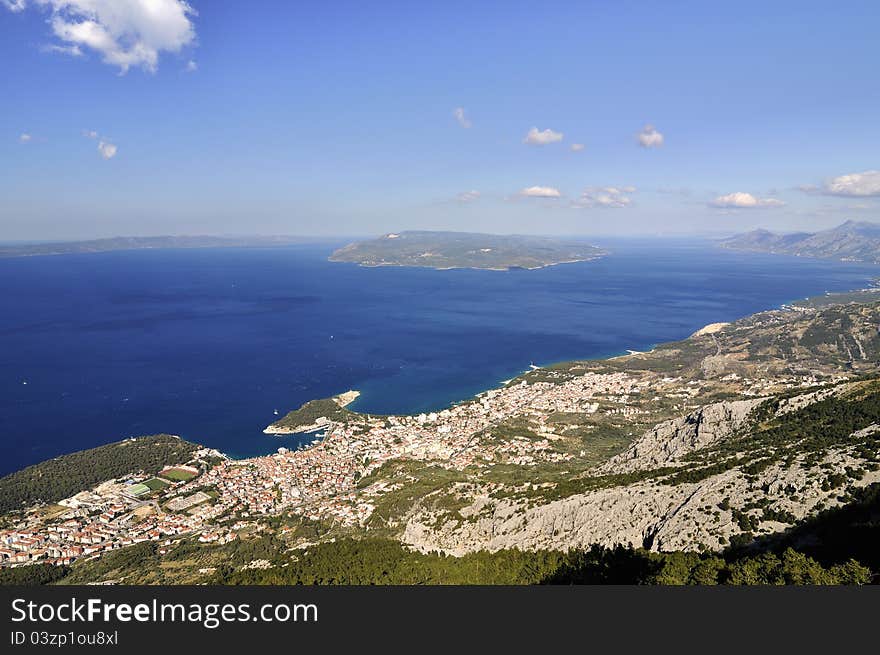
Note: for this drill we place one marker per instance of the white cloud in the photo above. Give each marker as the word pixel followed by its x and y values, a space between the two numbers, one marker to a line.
pixel 69 50
pixel 24 137
pixel 609 197
pixel 741 200
pixel 459 115
pixel 107 149
pixel 125 33
pixel 649 137
pixel 191 66
pixel 855 184
pixel 577 147
pixel 542 138
pixel 468 196
pixel 540 192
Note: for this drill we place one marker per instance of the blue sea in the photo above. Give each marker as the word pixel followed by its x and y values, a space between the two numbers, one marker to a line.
pixel 208 344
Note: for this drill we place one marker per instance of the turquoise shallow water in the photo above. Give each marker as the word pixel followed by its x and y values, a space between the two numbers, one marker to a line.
pixel 208 343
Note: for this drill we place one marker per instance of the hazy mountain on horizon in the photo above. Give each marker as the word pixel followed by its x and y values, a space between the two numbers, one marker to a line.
pixel 849 241
pixel 109 244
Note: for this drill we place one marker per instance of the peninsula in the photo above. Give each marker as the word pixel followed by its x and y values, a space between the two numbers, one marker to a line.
pixel 850 241
pixel 748 453
pixel 446 250
pixel 315 415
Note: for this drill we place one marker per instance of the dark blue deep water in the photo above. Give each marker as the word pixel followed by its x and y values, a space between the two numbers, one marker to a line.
pixel 207 343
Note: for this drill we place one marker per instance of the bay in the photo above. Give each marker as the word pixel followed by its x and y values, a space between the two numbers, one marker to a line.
pixel 209 343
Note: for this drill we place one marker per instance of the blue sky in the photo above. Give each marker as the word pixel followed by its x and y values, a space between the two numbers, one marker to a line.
pixel 329 118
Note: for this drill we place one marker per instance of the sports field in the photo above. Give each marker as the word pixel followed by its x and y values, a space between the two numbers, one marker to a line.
pixel 177 475
pixel 139 489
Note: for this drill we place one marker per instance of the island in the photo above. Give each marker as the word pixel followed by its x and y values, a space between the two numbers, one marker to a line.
pixel 448 250
pixel 145 243
pixel 850 241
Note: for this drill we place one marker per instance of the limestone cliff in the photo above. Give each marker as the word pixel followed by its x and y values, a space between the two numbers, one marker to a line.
pixel 645 503
pixel 667 442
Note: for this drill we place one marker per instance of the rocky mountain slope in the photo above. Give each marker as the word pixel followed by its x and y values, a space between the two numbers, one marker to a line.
pixel 729 437
pixel 850 241
pixel 726 473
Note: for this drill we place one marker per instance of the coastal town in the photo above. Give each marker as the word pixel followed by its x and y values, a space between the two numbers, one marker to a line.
pixel 114 514
pixel 215 499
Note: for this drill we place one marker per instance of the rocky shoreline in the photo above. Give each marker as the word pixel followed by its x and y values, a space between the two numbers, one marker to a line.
pixel 340 401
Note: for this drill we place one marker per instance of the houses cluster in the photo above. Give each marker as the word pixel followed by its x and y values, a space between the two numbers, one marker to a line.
pixel 105 518
pixel 330 480
pixel 766 386
pixel 112 515
pixel 321 481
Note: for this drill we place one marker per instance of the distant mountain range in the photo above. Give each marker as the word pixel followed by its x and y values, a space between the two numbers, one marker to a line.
pixel 142 243
pixel 444 250
pixel 850 241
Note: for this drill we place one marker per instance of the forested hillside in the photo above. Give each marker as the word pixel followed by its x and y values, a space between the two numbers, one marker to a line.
pixel 66 475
